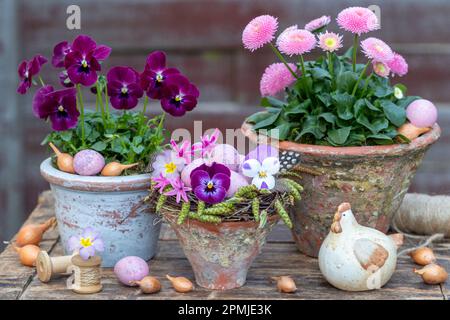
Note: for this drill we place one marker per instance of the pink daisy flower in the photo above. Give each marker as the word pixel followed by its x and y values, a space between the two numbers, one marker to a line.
pixel 296 41
pixel 318 23
pixel 276 77
pixel 381 69
pixel 259 31
pixel 330 41
pixel 291 28
pixel 357 20
pixel 398 65
pixel 376 49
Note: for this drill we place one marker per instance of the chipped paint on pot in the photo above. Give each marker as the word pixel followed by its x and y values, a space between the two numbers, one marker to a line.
pixel 374 179
pixel 221 255
pixel 112 205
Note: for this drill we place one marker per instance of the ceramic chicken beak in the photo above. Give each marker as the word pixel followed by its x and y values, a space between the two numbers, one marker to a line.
pixel 336 226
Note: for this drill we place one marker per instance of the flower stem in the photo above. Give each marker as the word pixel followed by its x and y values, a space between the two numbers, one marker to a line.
pixel 41 81
pixel 106 101
pixel 81 105
pixel 355 47
pixel 331 67
pixel 366 84
pixel 280 56
pixel 359 78
pixel 302 64
pixel 145 105
pixel 102 106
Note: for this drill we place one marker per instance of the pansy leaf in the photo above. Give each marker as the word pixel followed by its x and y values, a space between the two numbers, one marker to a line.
pixel 394 113
pixel 99 146
pixel 66 135
pixel 137 149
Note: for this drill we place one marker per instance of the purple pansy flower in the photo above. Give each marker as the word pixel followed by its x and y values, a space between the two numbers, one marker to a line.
pixel 82 62
pixel 211 183
pixel 64 79
pixel 161 182
pixel 179 190
pixel 179 96
pixel 60 106
pixel 59 54
pixel 155 74
pixel 123 87
pixel 27 70
pixel 87 243
pixel 262 172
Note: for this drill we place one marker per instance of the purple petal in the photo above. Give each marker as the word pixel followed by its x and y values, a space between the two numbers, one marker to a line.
pixel 59 53
pixel 99 245
pixel 43 105
pixel 156 61
pixel 199 178
pixel 264 185
pixel 210 197
pixel 22 69
pixel 214 168
pixel 36 64
pixel 172 108
pixel 189 102
pixel 24 85
pixel 221 180
pixel 73 243
pixel 84 78
pixel 83 44
pixel 86 252
pixel 261 152
pixel 90 232
pixel 102 52
pixel 123 103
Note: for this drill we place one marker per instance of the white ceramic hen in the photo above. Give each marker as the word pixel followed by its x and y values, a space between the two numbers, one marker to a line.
pixel 356 258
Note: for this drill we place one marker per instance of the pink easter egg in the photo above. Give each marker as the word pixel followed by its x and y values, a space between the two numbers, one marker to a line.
pixel 131 268
pixel 421 113
pixel 227 155
pixel 186 173
pixel 88 162
pixel 236 181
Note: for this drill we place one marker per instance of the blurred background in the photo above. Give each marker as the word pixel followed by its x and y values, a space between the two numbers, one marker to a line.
pixel 203 39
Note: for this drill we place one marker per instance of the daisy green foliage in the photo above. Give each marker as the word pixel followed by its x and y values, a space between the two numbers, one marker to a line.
pixel 334 100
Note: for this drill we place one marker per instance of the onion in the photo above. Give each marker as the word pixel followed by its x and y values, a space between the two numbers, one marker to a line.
pixel 423 256
pixel 285 284
pixel 28 254
pixel 410 131
pixel 181 284
pixel 114 169
pixel 130 269
pixel 64 161
pixel 148 284
pixel 32 233
pixel 88 162
pixel 432 274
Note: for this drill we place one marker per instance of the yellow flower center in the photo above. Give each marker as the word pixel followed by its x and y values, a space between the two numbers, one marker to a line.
pixel 86 242
pixel 262 174
pixel 379 48
pixel 210 185
pixel 61 109
pixel 178 98
pixel 170 167
pixel 124 90
pixel 159 78
pixel 84 63
pixel 330 42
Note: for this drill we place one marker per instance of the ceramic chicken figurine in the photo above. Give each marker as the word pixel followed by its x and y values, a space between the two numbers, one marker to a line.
pixel 357 258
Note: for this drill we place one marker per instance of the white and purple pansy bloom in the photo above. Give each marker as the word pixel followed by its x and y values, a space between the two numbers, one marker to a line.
pixel 86 244
pixel 179 96
pixel 83 61
pixel 167 165
pixel 124 89
pixel 59 106
pixel 60 52
pixel 155 74
pixel 262 172
pixel 28 69
pixel 211 183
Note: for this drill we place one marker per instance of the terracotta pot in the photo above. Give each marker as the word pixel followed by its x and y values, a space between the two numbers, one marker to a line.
pixel 374 179
pixel 221 255
pixel 112 205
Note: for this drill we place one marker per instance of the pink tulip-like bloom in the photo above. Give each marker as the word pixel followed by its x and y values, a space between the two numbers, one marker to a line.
pixel 381 69
pixel 295 41
pixel 276 77
pixel 376 49
pixel 319 23
pixel 260 31
pixel 330 41
pixel 398 65
pixel 358 20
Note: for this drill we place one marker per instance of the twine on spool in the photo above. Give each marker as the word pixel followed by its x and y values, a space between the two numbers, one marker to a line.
pixel 86 275
pixel 48 267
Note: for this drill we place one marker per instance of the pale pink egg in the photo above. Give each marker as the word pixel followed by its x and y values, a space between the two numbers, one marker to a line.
pixel 88 162
pixel 186 173
pixel 421 113
pixel 227 155
pixel 236 181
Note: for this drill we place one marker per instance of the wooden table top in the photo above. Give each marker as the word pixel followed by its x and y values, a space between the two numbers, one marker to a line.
pixel 279 257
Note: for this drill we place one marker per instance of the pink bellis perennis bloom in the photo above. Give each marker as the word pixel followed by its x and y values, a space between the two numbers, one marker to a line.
pixel 398 65
pixel 179 96
pixel 182 151
pixel 381 69
pixel 83 61
pixel 124 89
pixel 357 20
pixel 86 244
pixel 179 190
pixel 59 106
pixel 376 49
pixel 156 75
pixel 276 77
pixel 60 52
pixel 211 183
pixel 27 70
pixel 294 41
pixel 317 24
pixel 260 31
pixel 330 41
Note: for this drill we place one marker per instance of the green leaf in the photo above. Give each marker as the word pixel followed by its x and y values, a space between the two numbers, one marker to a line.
pixel 301 108
pixel 319 73
pixel 271 102
pixel 383 91
pixel 99 146
pixel 376 126
pixel 257 117
pixel 137 149
pixel 344 103
pixel 370 105
pixel 311 126
pixel 339 136
pixel 267 122
pixel 283 131
pixel 405 102
pixel 328 117
pixel 394 113
pixel 346 81
pixel 66 135
pixel 325 98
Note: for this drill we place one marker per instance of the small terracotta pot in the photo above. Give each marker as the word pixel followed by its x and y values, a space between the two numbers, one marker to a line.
pixel 374 179
pixel 111 205
pixel 221 254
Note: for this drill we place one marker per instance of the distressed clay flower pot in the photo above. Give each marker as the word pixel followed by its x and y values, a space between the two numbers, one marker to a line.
pixel 374 179
pixel 221 255
pixel 112 205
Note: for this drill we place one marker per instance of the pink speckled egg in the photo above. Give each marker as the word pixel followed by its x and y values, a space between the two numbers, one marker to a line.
pixel 236 181
pixel 227 155
pixel 131 268
pixel 88 162
pixel 186 173
pixel 421 113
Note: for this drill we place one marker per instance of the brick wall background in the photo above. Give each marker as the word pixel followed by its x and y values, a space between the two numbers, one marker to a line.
pixel 202 38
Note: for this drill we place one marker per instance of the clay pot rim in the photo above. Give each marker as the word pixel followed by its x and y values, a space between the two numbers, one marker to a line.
pixel 93 183
pixel 381 150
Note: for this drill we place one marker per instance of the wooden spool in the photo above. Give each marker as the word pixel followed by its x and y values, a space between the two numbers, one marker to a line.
pixel 48 267
pixel 86 275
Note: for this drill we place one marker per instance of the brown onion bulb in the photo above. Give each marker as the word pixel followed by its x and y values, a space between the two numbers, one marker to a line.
pixel 181 284
pixel 423 256
pixel 64 161
pixel 114 169
pixel 285 284
pixel 410 131
pixel 32 233
pixel 28 254
pixel 148 284
pixel 432 274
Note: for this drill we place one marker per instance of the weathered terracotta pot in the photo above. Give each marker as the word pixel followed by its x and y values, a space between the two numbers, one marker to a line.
pixel 112 205
pixel 221 255
pixel 374 179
